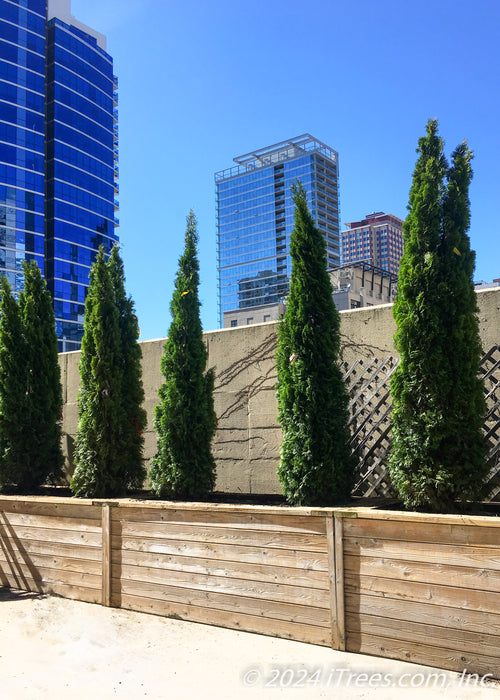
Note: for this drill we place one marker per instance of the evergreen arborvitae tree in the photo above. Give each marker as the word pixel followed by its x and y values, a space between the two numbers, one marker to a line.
pixel 463 444
pixel 185 421
pixel 13 379
pixel 316 466
pixel 30 387
pixel 43 459
pixel 416 385
pixel 102 418
pixel 130 457
pixel 438 453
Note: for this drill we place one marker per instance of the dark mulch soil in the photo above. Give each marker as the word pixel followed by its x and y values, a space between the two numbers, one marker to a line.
pixel 489 509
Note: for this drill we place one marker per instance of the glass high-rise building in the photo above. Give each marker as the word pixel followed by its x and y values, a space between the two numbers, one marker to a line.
pixel 255 216
pixel 58 152
pixel 22 136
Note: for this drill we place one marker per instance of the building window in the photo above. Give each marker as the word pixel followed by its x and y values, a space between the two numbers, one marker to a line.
pixel 267 317
pixel 249 320
pixel 355 304
pixel 234 323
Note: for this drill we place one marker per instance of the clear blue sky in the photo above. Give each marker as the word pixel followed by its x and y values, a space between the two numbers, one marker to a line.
pixel 202 82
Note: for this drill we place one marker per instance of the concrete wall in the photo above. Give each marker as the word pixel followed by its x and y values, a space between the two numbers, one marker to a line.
pixel 246 445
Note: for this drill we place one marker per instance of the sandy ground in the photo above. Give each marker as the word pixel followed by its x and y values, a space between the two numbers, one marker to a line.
pixel 56 648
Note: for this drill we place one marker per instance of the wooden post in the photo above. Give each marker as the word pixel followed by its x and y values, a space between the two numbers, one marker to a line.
pixel 339 580
pixel 330 535
pixel 106 554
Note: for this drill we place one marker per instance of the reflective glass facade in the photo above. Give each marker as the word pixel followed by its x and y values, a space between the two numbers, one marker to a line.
pixel 58 157
pixel 80 175
pixel 22 125
pixel 255 219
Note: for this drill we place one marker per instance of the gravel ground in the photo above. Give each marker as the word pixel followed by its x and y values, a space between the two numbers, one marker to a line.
pixel 56 648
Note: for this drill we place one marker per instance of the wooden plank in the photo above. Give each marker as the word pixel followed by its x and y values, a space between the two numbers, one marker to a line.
pixel 451 618
pixel 426 552
pixel 330 533
pixel 273 610
pixel 409 631
pixel 339 581
pixel 232 586
pixel 423 654
pixel 218 507
pixel 439 574
pixel 220 567
pixel 238 621
pixel 49 500
pixel 248 521
pixel 21 572
pixel 79 507
pixel 19 577
pixel 52 562
pixel 424 532
pixel 74 537
pixel 433 595
pixel 50 549
pixel 130 503
pixel 368 513
pixel 200 533
pixel 82 593
pixel 313 561
pixel 106 555
pixel 10 521
pixel 78 511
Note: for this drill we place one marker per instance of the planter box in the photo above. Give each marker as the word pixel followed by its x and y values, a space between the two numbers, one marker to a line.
pixel 420 588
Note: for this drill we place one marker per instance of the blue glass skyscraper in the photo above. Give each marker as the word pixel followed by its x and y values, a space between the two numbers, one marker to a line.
pixel 58 102
pixel 22 136
pixel 255 216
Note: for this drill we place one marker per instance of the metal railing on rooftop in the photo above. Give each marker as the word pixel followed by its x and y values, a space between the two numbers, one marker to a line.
pixel 278 153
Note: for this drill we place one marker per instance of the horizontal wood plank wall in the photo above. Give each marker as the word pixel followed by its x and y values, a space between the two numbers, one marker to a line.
pixel 51 546
pixel 419 588
pixel 253 569
pixel 424 589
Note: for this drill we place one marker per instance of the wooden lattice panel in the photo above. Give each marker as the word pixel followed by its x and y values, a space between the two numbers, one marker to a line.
pixel 490 371
pixel 367 383
pixel 368 386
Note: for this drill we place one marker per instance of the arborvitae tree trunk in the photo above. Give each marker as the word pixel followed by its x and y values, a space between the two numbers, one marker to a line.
pixel 43 457
pixel 130 457
pixel 434 312
pixel 13 381
pixel 185 421
pixel 101 424
pixel 316 465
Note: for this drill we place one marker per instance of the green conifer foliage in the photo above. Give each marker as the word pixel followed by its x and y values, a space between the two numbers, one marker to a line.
pixel 43 459
pixel 30 387
pixel 101 415
pixel 438 450
pixel 13 379
pixel 316 466
pixel 130 459
pixel 185 421
pixel 463 442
